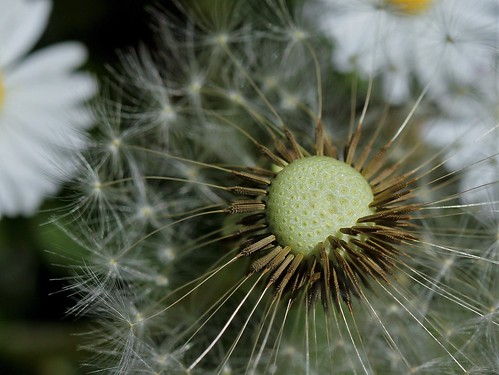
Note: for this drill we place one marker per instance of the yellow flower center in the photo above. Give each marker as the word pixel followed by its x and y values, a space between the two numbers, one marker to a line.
pixel 410 7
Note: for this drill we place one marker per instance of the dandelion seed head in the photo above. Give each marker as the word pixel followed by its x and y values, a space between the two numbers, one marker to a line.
pixel 191 172
pixel 168 113
pixel 91 185
pixel 162 359
pixel 114 145
pixel 270 82
pixel 227 370
pixel 289 351
pixel 393 309
pixel 289 101
pixel 138 319
pixel 161 280
pixel 236 97
pixel 298 35
pixel 261 233
pixel 114 267
pixel 166 254
pixel 221 39
pixel 97 187
pixel 448 262
pixel 145 212
pixel 195 86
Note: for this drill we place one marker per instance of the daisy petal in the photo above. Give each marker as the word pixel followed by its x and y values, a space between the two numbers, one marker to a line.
pixel 50 61
pixel 20 27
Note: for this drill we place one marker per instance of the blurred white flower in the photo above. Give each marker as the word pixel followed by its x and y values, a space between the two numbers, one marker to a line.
pixel 41 111
pixel 470 117
pixel 445 42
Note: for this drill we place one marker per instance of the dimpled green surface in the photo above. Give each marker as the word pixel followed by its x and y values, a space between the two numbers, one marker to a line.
pixel 312 198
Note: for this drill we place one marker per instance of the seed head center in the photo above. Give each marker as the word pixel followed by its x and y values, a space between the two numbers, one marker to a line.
pixel 312 198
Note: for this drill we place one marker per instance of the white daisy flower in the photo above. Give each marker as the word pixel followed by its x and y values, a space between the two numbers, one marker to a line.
pixel 41 112
pixel 446 42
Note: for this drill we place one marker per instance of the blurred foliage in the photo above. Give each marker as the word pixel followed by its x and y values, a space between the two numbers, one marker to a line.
pixel 104 26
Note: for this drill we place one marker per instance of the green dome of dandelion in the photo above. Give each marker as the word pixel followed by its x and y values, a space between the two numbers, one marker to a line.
pixel 312 198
